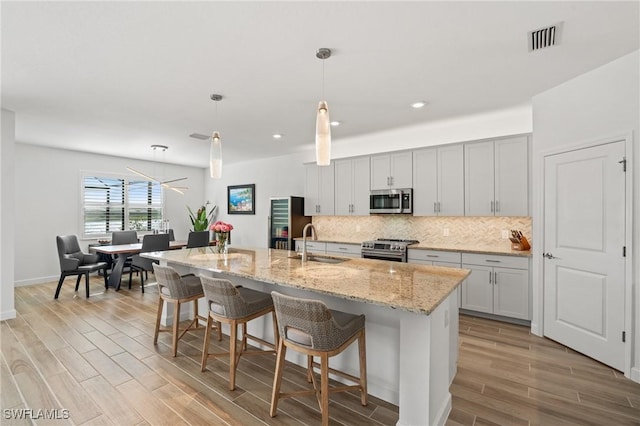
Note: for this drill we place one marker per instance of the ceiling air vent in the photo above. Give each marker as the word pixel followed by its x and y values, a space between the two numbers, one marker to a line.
pixel 545 37
pixel 199 136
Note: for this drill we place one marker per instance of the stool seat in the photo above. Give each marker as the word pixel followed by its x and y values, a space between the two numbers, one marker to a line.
pixel 310 327
pixel 235 306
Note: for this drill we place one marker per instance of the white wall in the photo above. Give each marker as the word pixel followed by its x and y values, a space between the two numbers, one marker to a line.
pixel 7 232
pixel 48 202
pixel 601 104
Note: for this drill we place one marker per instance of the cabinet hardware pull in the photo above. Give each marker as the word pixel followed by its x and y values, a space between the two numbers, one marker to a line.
pixel 439 207
pixel 492 207
pixel 432 255
pixel 492 261
pixel 490 276
pixel 495 278
pixel 497 206
pixel 435 210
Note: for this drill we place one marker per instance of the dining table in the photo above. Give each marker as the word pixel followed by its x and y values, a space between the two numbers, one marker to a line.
pixel 124 250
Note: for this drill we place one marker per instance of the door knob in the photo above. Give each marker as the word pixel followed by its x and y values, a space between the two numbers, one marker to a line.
pixel 548 255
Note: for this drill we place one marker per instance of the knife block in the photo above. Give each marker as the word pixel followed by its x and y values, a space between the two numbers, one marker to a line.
pixel 523 245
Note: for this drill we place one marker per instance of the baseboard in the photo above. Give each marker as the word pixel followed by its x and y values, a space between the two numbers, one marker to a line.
pixel 535 329
pixel 635 374
pixel 443 413
pixel 34 281
pixel 6 315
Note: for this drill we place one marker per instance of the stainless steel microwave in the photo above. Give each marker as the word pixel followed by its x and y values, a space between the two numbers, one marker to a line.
pixel 391 201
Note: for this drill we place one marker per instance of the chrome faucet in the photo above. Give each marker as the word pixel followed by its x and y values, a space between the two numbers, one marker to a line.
pixel 304 239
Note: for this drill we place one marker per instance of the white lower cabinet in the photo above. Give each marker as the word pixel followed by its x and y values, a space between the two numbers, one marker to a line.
pixel 497 285
pixel 312 246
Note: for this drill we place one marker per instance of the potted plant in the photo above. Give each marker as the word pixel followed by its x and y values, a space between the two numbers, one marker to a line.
pixel 200 219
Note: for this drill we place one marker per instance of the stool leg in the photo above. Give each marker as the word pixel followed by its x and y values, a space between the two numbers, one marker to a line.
pixel 176 323
pixel 195 313
pixel 362 352
pixel 86 283
pixel 158 316
pixel 277 377
pixel 205 348
pixel 276 334
pixel 309 368
pixel 324 386
pixel 244 336
pixel 232 354
pixel 219 325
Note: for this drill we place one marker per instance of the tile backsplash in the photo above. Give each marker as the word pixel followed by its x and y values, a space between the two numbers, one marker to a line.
pixel 427 230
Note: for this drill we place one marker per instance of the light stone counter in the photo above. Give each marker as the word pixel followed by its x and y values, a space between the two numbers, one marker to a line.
pixel 410 287
pixel 411 317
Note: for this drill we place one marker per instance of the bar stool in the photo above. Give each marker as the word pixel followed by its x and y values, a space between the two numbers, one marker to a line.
pixel 309 327
pixel 235 305
pixel 177 290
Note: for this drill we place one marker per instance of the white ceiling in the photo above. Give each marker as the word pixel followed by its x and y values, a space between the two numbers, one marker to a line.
pixel 116 77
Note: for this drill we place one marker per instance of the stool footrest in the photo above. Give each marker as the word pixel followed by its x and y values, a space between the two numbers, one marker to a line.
pixel 339 373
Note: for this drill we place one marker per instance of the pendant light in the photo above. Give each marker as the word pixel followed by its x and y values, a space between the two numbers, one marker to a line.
pixel 160 180
pixel 215 151
pixel 323 123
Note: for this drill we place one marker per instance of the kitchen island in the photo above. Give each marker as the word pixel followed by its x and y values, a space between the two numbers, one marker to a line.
pixel 411 316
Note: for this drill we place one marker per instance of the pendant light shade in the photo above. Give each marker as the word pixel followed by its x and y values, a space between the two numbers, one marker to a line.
pixel 215 151
pixel 215 156
pixel 323 124
pixel 323 135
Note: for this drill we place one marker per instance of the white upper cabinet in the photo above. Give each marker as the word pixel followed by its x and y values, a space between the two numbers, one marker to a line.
pixel 438 181
pixel 319 190
pixel 496 177
pixel 392 171
pixel 352 186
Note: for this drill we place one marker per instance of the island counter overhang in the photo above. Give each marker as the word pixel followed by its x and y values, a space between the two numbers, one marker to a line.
pixel 411 311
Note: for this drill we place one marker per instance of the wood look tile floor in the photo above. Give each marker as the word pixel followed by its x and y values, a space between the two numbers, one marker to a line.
pixel 95 358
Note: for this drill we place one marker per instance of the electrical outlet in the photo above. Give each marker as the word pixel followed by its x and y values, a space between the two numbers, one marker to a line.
pixel 505 234
pixel 445 232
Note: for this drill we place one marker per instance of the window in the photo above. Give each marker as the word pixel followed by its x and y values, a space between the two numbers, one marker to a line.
pixel 115 204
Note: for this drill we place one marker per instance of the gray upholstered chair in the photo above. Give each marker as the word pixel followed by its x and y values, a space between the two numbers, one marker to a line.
pixel 74 262
pixel 175 289
pixel 198 239
pixel 234 305
pixel 172 236
pixel 150 242
pixel 124 237
pixel 309 327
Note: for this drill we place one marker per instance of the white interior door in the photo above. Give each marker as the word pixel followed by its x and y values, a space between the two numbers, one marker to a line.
pixel 584 235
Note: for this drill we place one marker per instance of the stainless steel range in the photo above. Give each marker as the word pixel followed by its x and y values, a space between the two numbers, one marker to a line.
pixel 386 249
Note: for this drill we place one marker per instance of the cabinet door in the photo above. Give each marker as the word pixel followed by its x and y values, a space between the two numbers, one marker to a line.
pixel 311 185
pixel 512 177
pixel 477 289
pixel 326 183
pixel 380 171
pixel 360 200
pixel 511 293
pixel 343 187
pixel 425 182
pixel 450 181
pixel 425 178
pixel 479 179
pixel 402 170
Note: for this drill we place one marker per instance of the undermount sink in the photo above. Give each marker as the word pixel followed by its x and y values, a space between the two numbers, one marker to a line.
pixel 321 259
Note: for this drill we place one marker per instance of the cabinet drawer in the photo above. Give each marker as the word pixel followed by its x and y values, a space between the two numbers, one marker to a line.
pixel 312 246
pixel 434 255
pixel 346 249
pixel 496 260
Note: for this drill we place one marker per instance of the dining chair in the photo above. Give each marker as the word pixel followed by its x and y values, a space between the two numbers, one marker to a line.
pixel 124 237
pixel 234 306
pixel 198 239
pixel 150 242
pixel 311 328
pixel 74 262
pixel 172 236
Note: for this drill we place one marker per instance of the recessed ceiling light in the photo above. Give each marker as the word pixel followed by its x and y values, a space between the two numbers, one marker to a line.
pixel 335 123
pixel 276 136
pixel 419 104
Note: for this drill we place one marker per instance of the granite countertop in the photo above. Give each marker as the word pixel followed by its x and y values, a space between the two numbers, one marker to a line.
pixel 499 249
pixel 409 287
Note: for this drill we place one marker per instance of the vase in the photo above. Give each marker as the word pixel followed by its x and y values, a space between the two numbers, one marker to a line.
pixel 222 238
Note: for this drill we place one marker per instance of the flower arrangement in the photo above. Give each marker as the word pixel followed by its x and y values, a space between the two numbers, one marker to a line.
pixel 200 220
pixel 221 230
pixel 220 226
